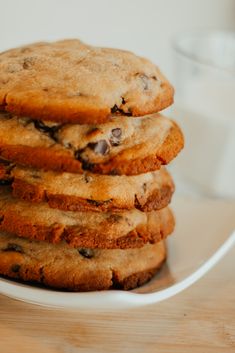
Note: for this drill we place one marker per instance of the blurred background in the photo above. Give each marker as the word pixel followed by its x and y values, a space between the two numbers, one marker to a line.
pixel 142 26
pixel 184 38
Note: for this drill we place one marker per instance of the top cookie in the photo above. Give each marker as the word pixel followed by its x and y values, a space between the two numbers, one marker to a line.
pixel 69 81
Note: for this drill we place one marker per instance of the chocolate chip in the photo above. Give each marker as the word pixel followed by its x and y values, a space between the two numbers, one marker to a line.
pixel 115 136
pixel 98 203
pixel 144 186
pixel 6 115
pixel 42 127
pixel 6 182
pixel 87 253
pixel 78 154
pixel 94 202
pixel 14 247
pixel 1 219
pixel 123 100
pixel 4 162
pixel 100 147
pixel 86 165
pixel 15 268
pixel 114 109
pixel 137 203
pixel 50 130
pixel 41 273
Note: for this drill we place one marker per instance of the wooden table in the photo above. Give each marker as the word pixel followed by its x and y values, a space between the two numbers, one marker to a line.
pixel 201 319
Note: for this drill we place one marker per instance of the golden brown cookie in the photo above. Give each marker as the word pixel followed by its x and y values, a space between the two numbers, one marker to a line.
pixel 128 229
pixel 69 81
pixel 89 192
pixel 121 146
pixel 78 269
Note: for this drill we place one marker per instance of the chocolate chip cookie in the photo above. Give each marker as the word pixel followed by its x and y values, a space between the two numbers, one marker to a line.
pixel 128 229
pixel 121 146
pixel 78 269
pixel 70 81
pixel 89 192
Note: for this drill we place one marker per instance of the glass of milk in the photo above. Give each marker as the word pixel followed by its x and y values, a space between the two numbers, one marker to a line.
pixel 204 64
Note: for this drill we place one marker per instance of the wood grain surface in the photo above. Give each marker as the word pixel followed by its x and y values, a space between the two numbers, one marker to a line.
pixel 200 319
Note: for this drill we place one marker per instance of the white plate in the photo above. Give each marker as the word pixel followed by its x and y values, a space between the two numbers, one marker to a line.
pixel 205 232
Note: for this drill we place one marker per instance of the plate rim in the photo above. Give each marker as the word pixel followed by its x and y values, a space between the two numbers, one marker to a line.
pixel 68 300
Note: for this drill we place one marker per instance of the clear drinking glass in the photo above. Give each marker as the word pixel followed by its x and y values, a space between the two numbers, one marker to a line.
pixel 204 64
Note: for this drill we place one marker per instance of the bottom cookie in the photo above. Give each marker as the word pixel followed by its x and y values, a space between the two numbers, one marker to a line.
pixel 78 269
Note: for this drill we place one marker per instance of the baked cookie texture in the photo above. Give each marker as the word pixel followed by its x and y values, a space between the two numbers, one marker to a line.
pixel 70 81
pixel 78 269
pixel 89 192
pixel 84 192
pixel 121 146
pixel 128 229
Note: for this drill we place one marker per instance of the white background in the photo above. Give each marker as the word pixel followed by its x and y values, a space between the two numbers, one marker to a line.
pixel 143 26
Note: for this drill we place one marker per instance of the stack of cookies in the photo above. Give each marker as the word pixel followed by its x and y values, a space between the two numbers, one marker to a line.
pixel 84 192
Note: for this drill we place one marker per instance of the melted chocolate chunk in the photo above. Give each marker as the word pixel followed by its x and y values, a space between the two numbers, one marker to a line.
pixel 4 162
pixel 114 109
pixel 86 165
pixel 6 115
pixel 87 253
pixel 1 219
pixel 50 130
pixel 98 203
pixel 137 203
pixel 6 182
pixel 116 136
pixel 41 273
pixel 94 202
pixel 15 268
pixel 14 247
pixel 99 147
